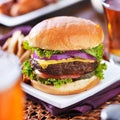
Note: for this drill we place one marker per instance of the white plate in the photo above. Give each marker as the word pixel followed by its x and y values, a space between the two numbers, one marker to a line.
pixel 112 74
pixel 13 21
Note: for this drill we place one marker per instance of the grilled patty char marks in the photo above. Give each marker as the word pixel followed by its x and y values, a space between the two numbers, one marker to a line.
pixel 69 68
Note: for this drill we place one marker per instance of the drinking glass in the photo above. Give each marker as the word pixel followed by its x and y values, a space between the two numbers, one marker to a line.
pixel 11 95
pixel 112 15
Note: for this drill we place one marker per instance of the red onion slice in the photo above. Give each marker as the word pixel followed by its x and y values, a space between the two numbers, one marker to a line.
pixel 53 57
pixel 66 55
pixel 35 55
pixel 80 54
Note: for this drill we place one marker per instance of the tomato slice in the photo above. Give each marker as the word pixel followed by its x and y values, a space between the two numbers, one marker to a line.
pixel 43 75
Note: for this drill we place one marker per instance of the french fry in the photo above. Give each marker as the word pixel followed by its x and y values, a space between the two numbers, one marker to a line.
pixel 21 50
pixel 25 56
pixel 14 42
pixel 14 45
pixel 5 46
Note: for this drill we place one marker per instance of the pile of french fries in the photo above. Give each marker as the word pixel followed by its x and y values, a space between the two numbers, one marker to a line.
pixel 14 45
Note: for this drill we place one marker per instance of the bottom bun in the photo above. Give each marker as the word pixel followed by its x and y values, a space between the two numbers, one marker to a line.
pixel 68 89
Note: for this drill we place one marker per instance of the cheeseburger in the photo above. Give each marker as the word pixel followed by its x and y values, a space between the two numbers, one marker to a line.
pixel 66 55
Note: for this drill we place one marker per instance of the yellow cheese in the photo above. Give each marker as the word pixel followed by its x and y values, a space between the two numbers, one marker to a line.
pixel 45 63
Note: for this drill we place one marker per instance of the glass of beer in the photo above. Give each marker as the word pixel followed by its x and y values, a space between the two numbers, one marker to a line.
pixel 11 95
pixel 112 14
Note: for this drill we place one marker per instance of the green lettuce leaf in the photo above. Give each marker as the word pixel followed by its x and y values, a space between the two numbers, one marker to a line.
pixel 27 69
pixel 99 70
pixel 96 52
pixel 46 53
pixel 56 82
pixel 26 45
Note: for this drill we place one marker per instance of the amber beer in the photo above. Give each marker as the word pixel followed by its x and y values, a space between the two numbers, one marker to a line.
pixel 11 95
pixel 112 12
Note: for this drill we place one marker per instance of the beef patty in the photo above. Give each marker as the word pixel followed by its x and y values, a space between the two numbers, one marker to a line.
pixel 70 68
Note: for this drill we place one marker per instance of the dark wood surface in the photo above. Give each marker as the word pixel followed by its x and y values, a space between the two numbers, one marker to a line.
pixel 34 111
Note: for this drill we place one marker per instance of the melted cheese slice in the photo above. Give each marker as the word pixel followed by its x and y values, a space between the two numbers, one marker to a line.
pixel 44 63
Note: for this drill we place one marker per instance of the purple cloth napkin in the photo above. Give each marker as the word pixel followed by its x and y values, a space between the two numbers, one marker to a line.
pixel 80 107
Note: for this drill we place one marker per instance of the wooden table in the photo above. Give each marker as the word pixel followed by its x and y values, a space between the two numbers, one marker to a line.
pixel 34 111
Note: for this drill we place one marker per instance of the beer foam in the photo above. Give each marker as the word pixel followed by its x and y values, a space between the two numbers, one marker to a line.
pixel 10 70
